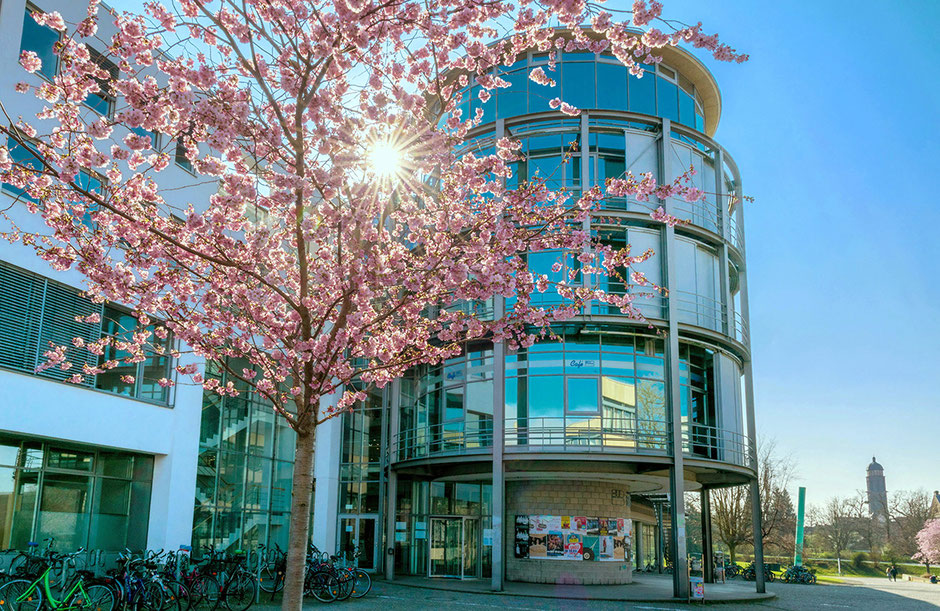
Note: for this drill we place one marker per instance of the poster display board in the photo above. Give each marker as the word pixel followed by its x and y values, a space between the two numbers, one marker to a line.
pixel 572 538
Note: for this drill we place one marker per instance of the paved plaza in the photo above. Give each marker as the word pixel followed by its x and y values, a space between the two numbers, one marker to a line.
pixel 856 594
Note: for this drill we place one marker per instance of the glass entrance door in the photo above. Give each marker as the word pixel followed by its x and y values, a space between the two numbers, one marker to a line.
pixel 454 548
pixel 359 532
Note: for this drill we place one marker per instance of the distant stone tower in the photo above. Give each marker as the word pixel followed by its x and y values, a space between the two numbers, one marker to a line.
pixel 877 493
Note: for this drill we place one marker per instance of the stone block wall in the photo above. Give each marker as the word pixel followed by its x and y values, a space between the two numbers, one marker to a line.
pixel 565 498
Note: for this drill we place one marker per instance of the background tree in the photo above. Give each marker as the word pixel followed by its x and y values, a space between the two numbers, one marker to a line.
pixel 834 521
pixel 731 517
pixel 909 511
pixel 928 544
pixel 346 231
pixel 731 507
pixel 870 529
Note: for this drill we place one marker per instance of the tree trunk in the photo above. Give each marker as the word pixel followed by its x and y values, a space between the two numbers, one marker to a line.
pixel 299 535
pixel 731 549
pixel 839 562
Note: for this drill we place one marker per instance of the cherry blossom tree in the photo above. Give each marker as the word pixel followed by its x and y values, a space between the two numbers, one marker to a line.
pixel 928 544
pixel 348 227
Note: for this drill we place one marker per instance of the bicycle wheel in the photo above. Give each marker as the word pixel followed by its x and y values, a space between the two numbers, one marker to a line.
pixel 322 585
pixel 272 578
pixel 362 585
pixel 239 592
pixel 150 598
pixel 181 593
pixel 19 595
pixel 347 580
pixel 204 591
pixel 98 598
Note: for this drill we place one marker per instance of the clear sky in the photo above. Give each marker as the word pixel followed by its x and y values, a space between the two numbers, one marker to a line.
pixel 835 125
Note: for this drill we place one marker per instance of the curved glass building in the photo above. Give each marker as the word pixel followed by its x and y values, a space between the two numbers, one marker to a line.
pixel 557 464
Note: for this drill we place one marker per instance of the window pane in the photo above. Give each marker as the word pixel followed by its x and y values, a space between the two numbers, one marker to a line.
pixel 512 100
pixel 63 511
pixel 667 98
pixel 546 397
pixel 22 156
pixel 643 93
pixel 612 87
pixel 582 395
pixel 70 459
pixel 577 86
pixel 41 40
pixel 686 109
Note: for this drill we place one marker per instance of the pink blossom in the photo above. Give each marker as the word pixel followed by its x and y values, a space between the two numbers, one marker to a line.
pixel 30 61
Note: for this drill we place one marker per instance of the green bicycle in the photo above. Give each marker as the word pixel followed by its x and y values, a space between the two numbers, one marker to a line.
pixel 23 595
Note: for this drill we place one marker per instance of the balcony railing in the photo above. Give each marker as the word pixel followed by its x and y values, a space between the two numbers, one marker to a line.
pixel 581 434
pixel 709 313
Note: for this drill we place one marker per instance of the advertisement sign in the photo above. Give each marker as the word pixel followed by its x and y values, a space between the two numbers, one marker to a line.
pixel 697 588
pixel 572 538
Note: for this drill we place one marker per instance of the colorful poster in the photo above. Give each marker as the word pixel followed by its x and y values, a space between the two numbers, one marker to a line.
pixel 555 544
pixel 538 524
pixel 573 548
pixel 538 545
pixel 572 538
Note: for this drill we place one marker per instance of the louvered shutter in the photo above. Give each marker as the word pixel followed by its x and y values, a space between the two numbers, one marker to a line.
pixel 59 328
pixel 20 311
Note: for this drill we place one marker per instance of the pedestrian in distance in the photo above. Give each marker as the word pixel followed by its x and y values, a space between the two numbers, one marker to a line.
pixel 888 573
pixel 894 573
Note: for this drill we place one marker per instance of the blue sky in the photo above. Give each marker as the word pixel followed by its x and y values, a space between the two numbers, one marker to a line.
pixel 834 124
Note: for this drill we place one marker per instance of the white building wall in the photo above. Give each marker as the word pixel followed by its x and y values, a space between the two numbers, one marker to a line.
pixel 31 406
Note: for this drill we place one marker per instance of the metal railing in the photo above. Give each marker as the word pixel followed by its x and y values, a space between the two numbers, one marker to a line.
pixel 714 443
pixel 588 433
pixel 710 313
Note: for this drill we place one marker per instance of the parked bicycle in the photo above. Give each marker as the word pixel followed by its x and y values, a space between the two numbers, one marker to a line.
pixel 78 593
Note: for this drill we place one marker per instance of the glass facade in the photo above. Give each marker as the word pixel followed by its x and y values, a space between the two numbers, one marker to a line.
pixel 360 474
pixel 243 479
pixel 81 496
pixel 588 81
pixel 441 528
pixel 588 388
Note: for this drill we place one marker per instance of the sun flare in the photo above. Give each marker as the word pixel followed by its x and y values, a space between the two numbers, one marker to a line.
pixel 385 159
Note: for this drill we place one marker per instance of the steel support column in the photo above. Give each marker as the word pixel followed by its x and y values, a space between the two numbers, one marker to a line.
pixel 680 564
pixel 708 557
pixel 499 438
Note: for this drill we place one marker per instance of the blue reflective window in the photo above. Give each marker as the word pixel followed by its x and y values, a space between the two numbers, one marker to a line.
pixel 667 99
pixel 40 40
pixel 618 364
pixel 612 87
pixel 489 107
pixel 583 395
pixel 91 183
pixel 643 93
pixel 102 101
pixel 23 156
pixel 686 109
pixel 577 84
pixel 541 95
pixel 699 122
pixel 607 143
pixel 512 100
pixel 181 159
pixel 546 399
